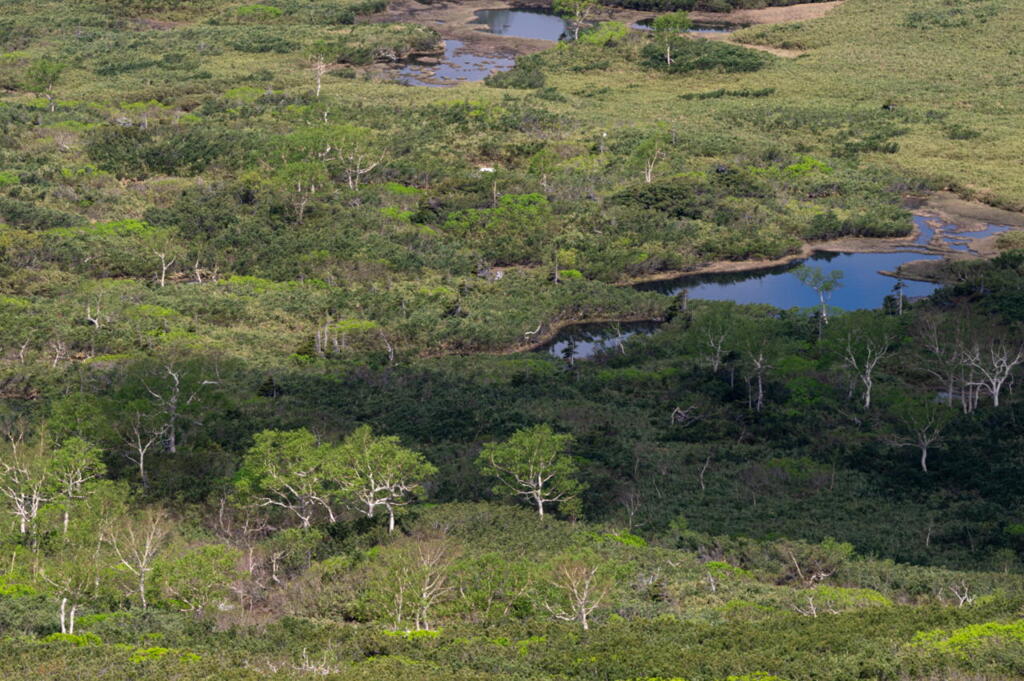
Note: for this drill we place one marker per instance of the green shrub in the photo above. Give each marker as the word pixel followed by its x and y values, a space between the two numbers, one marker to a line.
pixel 32 215
pixel 253 42
pixel 958 131
pixel 605 33
pixel 258 13
pixel 368 43
pixel 953 14
pixel 703 55
pixel 86 639
pixel 526 74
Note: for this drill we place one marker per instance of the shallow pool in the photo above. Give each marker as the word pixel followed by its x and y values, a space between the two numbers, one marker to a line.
pixel 521 23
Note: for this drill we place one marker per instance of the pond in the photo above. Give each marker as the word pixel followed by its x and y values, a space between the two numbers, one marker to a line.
pixel 581 341
pixel 456 66
pixel 521 23
pixel 700 28
pixel 862 285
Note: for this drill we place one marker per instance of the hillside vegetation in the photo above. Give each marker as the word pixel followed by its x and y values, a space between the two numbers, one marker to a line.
pixel 265 409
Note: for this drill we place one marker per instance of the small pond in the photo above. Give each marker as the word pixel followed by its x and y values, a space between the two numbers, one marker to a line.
pixel 863 287
pixel 456 66
pixel 580 341
pixel 698 28
pixel 521 23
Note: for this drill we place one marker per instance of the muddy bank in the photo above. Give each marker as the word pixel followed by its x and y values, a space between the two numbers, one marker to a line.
pixel 844 245
pixel 455 22
pixel 969 217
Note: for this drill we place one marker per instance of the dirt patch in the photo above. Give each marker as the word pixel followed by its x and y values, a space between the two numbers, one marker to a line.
pixel 769 15
pixel 968 215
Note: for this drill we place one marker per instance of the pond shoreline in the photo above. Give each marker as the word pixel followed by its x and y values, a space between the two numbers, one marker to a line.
pixel 947 207
pixel 546 335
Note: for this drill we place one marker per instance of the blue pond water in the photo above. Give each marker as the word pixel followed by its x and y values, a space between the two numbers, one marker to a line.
pixel 457 65
pixel 862 286
pixel 586 340
pixel 521 24
pixel 951 237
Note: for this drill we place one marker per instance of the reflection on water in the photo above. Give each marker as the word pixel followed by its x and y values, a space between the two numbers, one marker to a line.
pixel 457 65
pixel 706 29
pixel 862 286
pixel 521 24
pixel 586 340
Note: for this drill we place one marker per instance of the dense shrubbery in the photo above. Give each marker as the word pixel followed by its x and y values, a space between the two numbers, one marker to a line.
pixel 139 152
pixel 368 43
pixel 702 55
pixel 232 286
pixel 526 74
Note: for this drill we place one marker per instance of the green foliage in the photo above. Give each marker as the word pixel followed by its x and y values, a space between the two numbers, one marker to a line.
pixel 952 14
pixel 606 33
pixel 689 55
pixel 258 13
pixel 533 463
pixel 527 74
pixel 191 268
pixel 368 43
pixel 717 94
pixel 86 639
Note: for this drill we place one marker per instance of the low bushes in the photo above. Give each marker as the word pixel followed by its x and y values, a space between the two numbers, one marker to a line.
pixel 703 55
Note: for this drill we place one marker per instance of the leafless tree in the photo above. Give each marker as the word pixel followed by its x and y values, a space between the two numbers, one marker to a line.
pixel 651 162
pixel 583 591
pixel 922 428
pixel 319 66
pixel 172 400
pixel 862 354
pixel 757 361
pixel 25 479
pixel 140 435
pixel 962 591
pixel 136 543
pixel 994 359
pixel 165 264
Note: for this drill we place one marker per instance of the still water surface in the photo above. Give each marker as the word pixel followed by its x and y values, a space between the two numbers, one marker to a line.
pixel 521 24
